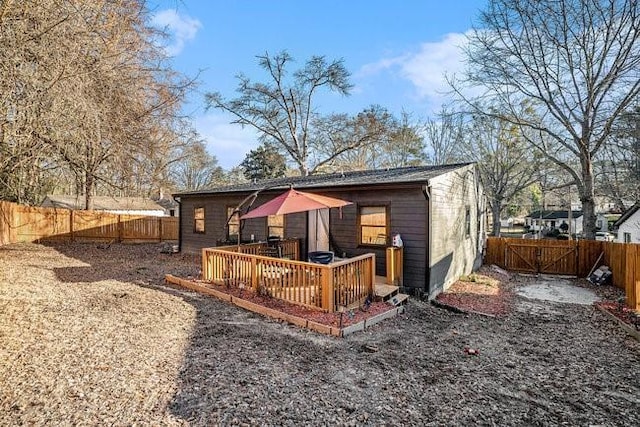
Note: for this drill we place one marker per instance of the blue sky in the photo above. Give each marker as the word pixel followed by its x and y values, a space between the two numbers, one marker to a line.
pixel 397 52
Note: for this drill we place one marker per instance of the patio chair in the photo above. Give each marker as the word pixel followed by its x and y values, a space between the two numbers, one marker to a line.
pixel 321 257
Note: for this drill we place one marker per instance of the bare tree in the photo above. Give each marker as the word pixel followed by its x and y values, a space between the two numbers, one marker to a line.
pixel 505 161
pixel 618 165
pixel 283 111
pixel 84 84
pixel 198 169
pixel 442 136
pixel 371 139
pixel 406 145
pixel 576 61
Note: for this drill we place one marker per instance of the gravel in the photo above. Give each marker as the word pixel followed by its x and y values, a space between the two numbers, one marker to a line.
pixel 558 290
pixel 93 336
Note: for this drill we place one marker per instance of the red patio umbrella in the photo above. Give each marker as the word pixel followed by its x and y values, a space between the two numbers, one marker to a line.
pixel 294 201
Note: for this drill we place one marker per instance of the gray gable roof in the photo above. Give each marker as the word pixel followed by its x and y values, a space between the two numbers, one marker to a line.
pixel 627 214
pixel 554 214
pixel 367 177
pixel 102 203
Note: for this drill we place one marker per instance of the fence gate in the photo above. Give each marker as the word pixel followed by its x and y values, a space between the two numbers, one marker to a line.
pixel 559 257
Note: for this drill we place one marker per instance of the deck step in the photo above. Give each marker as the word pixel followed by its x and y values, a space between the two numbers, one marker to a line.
pixel 384 292
pixel 399 299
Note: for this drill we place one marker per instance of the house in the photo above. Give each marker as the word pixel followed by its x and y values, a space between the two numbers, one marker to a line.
pixel 554 219
pixel 558 219
pixel 116 205
pixel 628 225
pixel 170 206
pixel 439 212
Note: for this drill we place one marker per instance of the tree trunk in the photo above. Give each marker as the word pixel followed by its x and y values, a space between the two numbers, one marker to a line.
pixel 496 208
pixel 88 191
pixel 588 201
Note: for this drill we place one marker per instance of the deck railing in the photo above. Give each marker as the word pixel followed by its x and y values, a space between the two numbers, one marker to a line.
pixel 289 248
pixel 343 284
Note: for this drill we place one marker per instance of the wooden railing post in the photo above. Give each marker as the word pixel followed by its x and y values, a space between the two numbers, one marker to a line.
pixel 373 273
pixel 205 274
pixel 394 266
pixel 328 292
pixel 254 273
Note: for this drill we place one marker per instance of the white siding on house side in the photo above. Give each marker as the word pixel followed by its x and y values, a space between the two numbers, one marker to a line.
pixel 453 252
pixel 631 226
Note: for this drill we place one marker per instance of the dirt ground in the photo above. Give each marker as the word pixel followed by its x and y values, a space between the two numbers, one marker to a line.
pixel 93 336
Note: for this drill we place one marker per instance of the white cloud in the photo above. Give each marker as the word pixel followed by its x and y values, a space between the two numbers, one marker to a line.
pixel 180 28
pixel 427 68
pixel 229 142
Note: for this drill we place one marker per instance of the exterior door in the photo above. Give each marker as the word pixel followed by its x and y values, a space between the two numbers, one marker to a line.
pixel 318 231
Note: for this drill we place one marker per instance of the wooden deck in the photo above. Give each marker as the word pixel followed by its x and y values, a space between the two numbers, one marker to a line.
pixel 344 283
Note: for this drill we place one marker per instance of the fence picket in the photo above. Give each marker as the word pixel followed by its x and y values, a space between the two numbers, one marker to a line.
pixel 34 224
pixel 622 259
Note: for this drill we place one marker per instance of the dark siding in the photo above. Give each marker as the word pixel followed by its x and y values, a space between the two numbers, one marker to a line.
pixel 295 227
pixel 408 216
pixel 215 220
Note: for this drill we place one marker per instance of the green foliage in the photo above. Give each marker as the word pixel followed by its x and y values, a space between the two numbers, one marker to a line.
pixel 264 162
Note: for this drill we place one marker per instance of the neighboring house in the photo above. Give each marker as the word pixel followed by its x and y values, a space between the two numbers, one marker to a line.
pixel 437 210
pixel 628 225
pixel 170 206
pixel 116 205
pixel 548 220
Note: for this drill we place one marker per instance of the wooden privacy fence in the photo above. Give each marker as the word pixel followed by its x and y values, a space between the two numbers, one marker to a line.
pixel 33 224
pixel 570 257
pixel 343 284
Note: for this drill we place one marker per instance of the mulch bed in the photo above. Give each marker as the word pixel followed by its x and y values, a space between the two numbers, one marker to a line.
pixel 625 314
pixel 488 291
pixel 612 301
pixel 346 318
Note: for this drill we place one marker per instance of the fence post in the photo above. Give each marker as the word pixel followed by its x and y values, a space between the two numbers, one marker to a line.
pixel 71 225
pixel 119 237
pixel 160 229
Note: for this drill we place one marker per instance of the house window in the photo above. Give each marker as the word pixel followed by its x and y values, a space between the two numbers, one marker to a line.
pixel 467 222
pixel 275 226
pixel 626 237
pixel 172 212
pixel 233 225
pixel 599 224
pixel 372 222
pixel 198 220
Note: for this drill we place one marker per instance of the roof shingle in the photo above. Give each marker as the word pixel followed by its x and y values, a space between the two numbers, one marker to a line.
pixel 366 177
